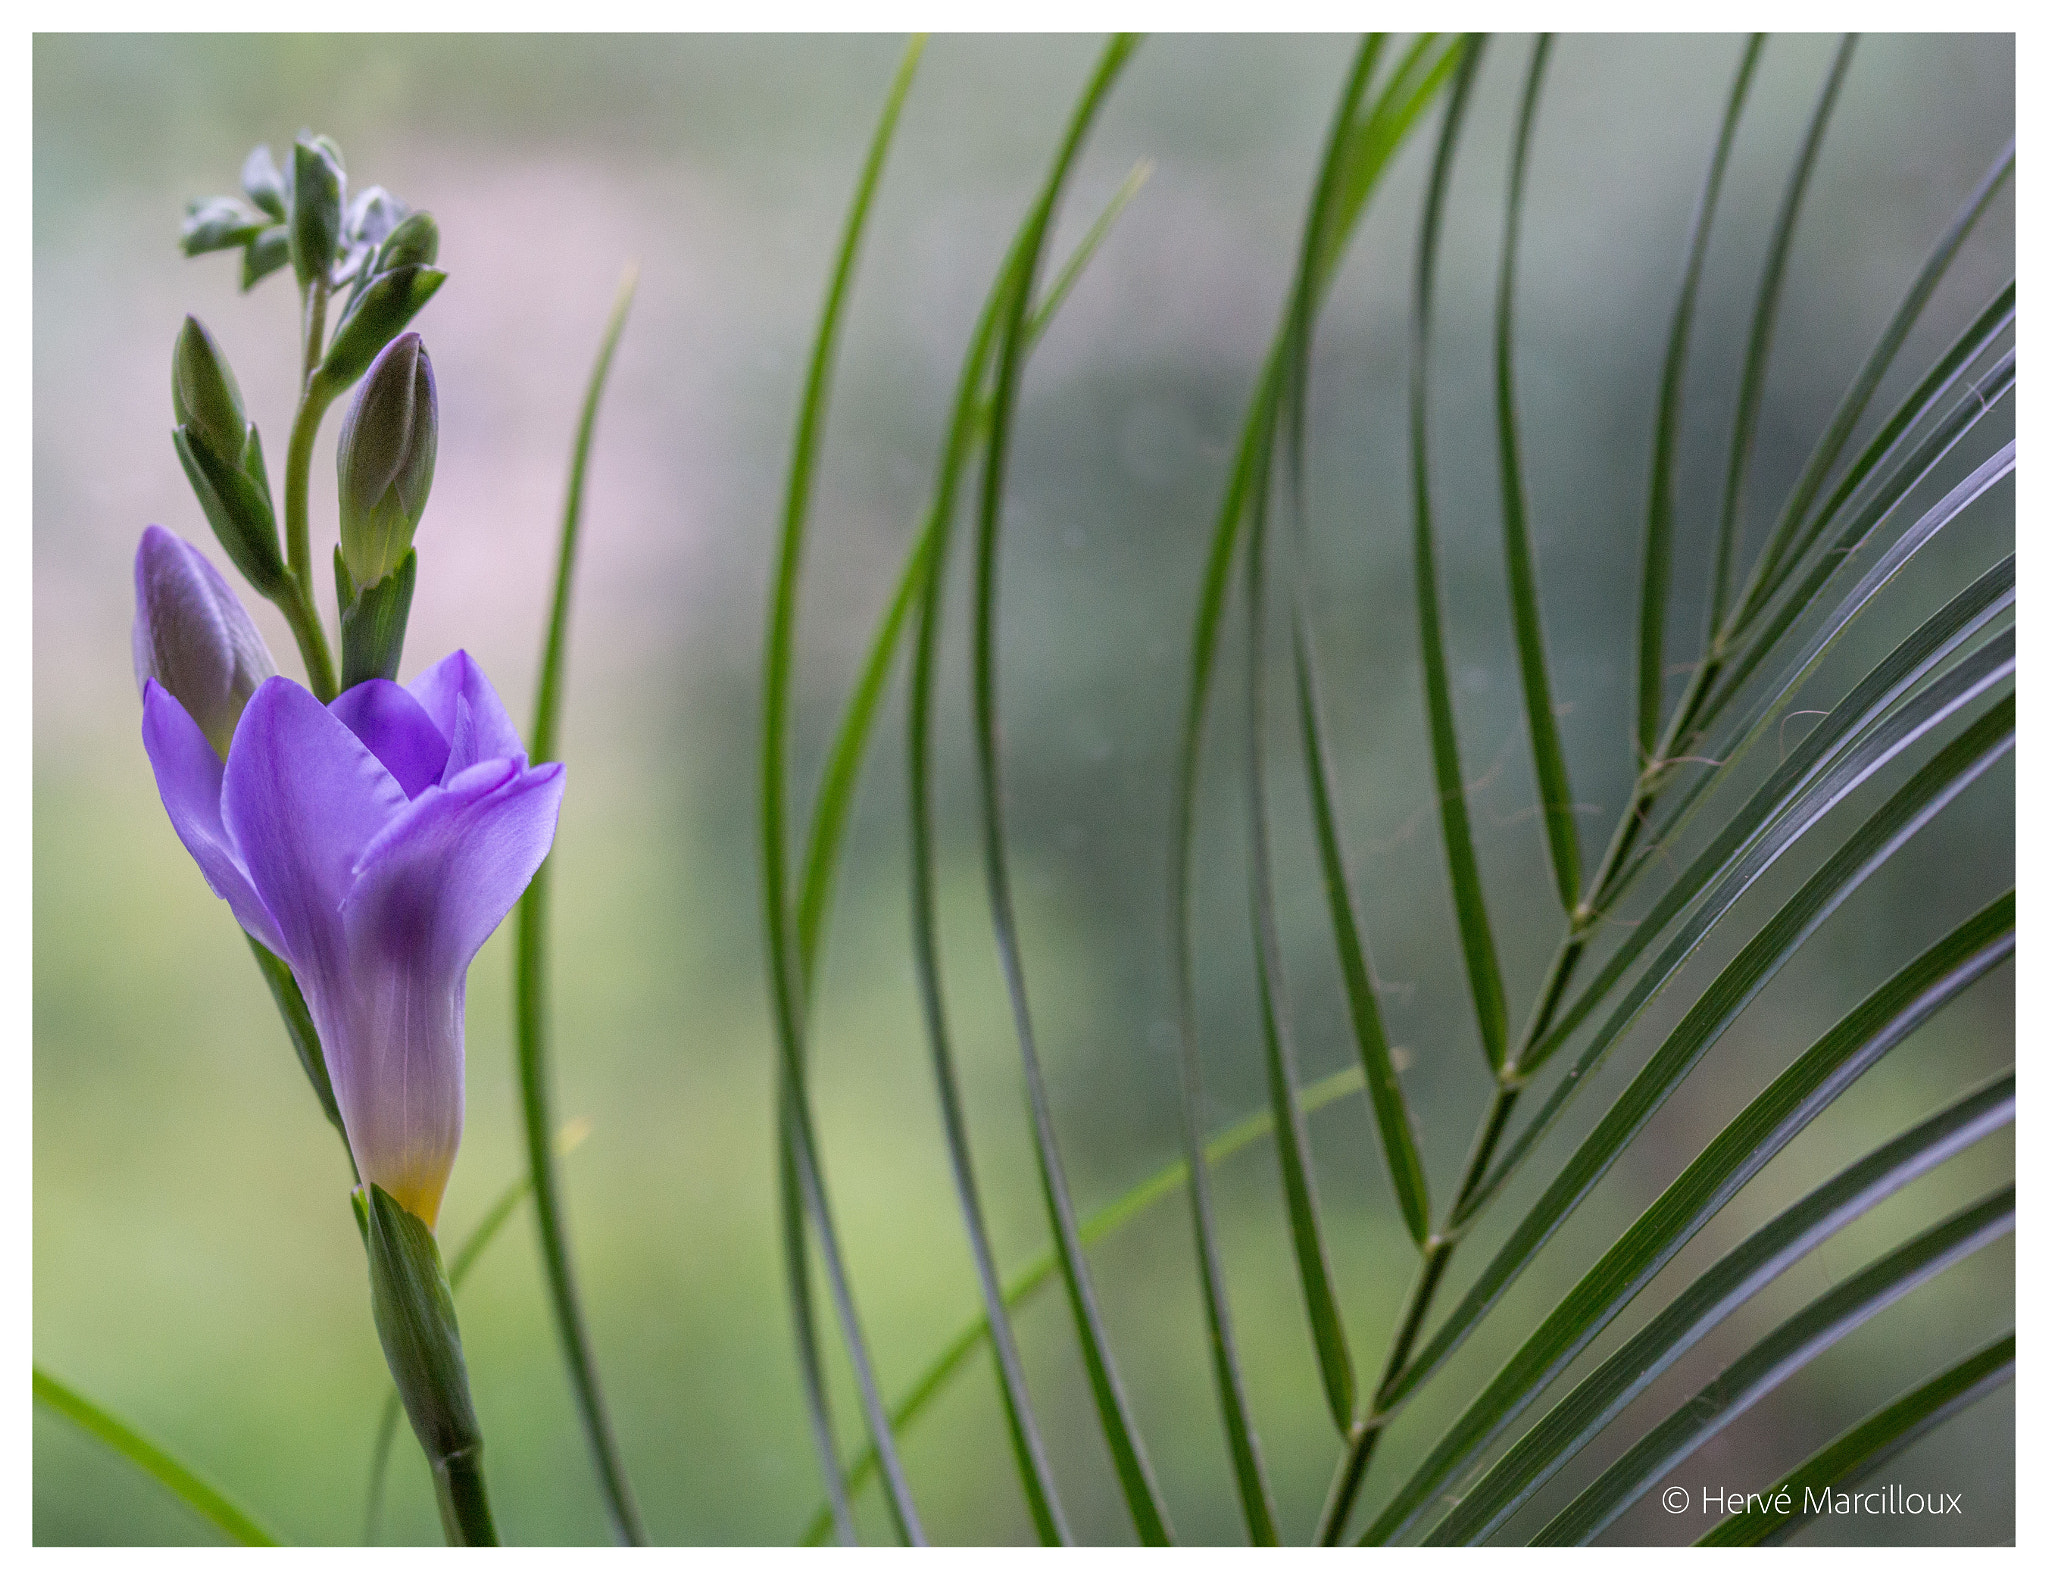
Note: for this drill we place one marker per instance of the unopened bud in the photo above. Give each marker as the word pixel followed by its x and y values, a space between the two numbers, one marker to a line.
pixel 415 239
pixel 193 637
pixel 268 252
pixel 385 460
pixel 204 395
pixel 318 185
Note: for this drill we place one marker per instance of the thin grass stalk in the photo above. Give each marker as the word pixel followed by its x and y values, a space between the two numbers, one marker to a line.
pixel 530 990
pixel 1553 781
pixel 1762 328
pixel 1134 1473
pixel 1663 503
pixel 802 1184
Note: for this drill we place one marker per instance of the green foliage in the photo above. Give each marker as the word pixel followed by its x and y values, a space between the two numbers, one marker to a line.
pixel 1695 839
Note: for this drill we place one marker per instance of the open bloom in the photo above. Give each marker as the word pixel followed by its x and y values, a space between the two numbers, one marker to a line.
pixel 373 844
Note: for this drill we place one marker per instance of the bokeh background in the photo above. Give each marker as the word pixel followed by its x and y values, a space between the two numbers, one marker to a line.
pixel 196 1266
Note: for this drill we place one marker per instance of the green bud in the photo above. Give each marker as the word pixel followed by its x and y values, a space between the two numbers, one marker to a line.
pixel 203 393
pixel 414 239
pixel 193 637
pixel 270 251
pixel 385 460
pixel 318 185
pixel 236 499
pixel 213 224
pixel 386 306
pixel 371 217
pixel 263 182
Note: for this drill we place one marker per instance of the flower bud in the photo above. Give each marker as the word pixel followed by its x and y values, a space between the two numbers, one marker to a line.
pixel 385 460
pixel 371 216
pixel 193 637
pixel 318 184
pixel 263 182
pixel 414 239
pixel 386 306
pixel 204 397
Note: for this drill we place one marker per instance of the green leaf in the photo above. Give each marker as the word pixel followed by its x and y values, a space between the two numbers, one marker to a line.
pixel 1862 732
pixel 187 1485
pixel 801 1171
pixel 1838 618
pixel 1475 931
pixel 1553 782
pixel 1856 400
pixel 1870 1444
pixel 1768 1124
pixel 1916 803
pixel 1297 1172
pixel 1663 505
pixel 1043 1269
pixel 929 560
pixel 1762 326
pixel 1389 1105
pixel 1710 1297
pixel 1812 1331
pixel 532 1029
pixel 1134 1473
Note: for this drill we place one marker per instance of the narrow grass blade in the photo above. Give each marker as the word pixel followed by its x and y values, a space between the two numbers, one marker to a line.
pixel 1857 399
pixel 799 1166
pixel 1553 782
pixel 474 1244
pixel 1376 1063
pixel 1916 803
pixel 1762 1130
pixel 1862 732
pixel 1032 1466
pixel 1868 1446
pixel 1839 617
pixel 1663 505
pixel 1297 1170
pixel 2000 383
pixel 1134 1473
pixel 1763 324
pixel 1789 1346
pixel 1043 1270
pixel 187 1485
pixel 532 1029
pixel 1475 932
pixel 1724 1287
pixel 849 741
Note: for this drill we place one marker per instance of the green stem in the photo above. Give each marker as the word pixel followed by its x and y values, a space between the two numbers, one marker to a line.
pixel 296 604
pixel 465 1509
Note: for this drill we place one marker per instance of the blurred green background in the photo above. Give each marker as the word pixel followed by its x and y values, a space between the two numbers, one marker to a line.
pixel 196 1266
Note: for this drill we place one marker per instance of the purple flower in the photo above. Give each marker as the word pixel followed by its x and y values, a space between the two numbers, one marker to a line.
pixel 373 844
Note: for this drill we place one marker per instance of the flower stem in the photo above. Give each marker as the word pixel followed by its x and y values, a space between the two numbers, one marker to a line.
pixel 465 1508
pixel 296 601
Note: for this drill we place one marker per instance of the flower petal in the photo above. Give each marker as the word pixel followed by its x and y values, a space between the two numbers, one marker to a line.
pixel 188 777
pixel 396 728
pixel 437 880
pixel 302 798
pixel 458 678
